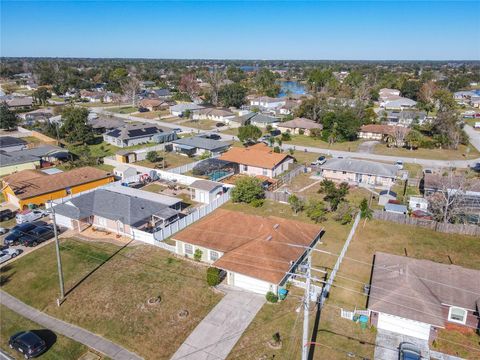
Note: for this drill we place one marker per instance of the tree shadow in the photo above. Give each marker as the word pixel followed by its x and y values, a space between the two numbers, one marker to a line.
pixel 46 335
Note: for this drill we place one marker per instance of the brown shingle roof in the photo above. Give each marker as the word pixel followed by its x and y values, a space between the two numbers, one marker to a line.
pixel 29 183
pixel 399 288
pixel 259 155
pixel 381 129
pixel 301 123
pixel 252 245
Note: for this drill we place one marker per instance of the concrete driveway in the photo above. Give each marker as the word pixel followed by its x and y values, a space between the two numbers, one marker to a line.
pixel 219 331
pixel 387 343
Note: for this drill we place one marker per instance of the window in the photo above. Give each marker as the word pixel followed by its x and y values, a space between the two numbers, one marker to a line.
pixel 213 255
pixel 344 172
pixel 188 249
pixel 245 168
pixel 265 172
pixel 458 315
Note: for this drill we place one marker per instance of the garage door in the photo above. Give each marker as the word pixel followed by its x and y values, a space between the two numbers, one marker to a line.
pixel 249 283
pixel 403 326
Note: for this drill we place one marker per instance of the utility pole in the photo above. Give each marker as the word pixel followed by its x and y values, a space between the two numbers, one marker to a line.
pixel 59 259
pixel 306 308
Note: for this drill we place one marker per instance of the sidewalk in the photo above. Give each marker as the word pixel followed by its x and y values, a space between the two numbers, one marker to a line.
pixel 74 332
pixel 219 331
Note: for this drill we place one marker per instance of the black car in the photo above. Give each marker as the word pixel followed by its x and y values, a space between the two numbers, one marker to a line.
pixel 28 343
pixel 17 232
pixel 219 124
pixel 476 167
pixel 6 214
pixel 37 236
pixel 142 110
pixel 409 351
pixel 213 137
pixel 275 132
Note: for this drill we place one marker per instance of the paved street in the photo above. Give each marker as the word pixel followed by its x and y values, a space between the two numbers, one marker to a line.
pixel 76 333
pixel 219 331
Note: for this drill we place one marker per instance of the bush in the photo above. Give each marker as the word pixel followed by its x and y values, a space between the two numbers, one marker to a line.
pixel 316 133
pixel 277 149
pixel 271 297
pixel 213 276
pixel 257 203
pixel 152 156
pixel 198 255
pixel 301 132
pixel 247 189
pixel 286 136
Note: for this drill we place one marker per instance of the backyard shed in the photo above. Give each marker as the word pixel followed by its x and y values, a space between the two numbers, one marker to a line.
pixel 205 191
pixel 386 196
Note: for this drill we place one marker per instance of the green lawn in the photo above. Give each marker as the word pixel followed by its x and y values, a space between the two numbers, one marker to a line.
pixel 123 109
pixel 231 131
pixel 172 160
pixel 304 140
pixel 200 124
pixel 438 154
pixel 62 348
pixel 112 300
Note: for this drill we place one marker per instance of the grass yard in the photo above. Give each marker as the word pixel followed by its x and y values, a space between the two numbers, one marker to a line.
pixel 231 131
pixel 200 124
pixel 123 109
pixel 151 114
pixel 172 160
pixel 437 154
pixel 60 348
pixel 112 300
pixel 172 120
pixel 32 140
pixel 396 239
pixel 304 140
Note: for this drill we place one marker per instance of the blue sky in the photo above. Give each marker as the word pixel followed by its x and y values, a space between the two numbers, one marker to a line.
pixel 243 30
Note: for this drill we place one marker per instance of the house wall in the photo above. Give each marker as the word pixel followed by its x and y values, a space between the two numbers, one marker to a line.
pixel 294 131
pixel 205 196
pixel 43 198
pixel 7 170
pixel 351 177
pixel 205 252
pixel 370 135
pixel 115 226
pixel 472 320
pixel 252 170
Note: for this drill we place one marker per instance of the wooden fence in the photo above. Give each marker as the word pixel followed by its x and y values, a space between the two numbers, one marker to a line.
pixel 463 229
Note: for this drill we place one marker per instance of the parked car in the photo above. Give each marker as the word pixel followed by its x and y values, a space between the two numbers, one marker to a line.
pixel 320 161
pixel 143 110
pixel 409 351
pixel 427 171
pixel 37 236
pixel 17 232
pixel 28 343
pixel 219 124
pixel 177 130
pixel 476 167
pixel 399 164
pixel 213 136
pixel 6 214
pixel 275 132
pixel 29 215
pixel 8 254
pixel 3 230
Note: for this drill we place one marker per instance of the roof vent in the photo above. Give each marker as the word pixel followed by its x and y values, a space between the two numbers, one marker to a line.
pixel 275 227
pixel 269 237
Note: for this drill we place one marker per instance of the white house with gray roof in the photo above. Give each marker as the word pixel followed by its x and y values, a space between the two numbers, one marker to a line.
pixel 179 109
pixel 360 172
pixel 138 133
pixel 197 145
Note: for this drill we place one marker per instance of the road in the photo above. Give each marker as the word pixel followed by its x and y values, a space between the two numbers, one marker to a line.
pixel 430 163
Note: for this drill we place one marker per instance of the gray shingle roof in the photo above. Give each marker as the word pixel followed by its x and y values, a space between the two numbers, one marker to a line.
pixel 206 185
pixel 30 155
pixel 255 117
pixel 135 130
pixel 6 141
pixel 183 107
pixel 202 143
pixel 129 210
pixel 361 167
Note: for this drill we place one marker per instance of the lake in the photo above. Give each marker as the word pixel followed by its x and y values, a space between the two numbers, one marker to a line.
pixel 292 88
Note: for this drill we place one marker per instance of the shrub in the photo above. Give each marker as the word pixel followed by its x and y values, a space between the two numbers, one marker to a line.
pixel 257 203
pixel 152 156
pixel 247 189
pixel 198 255
pixel 276 338
pixel 301 132
pixel 271 297
pixel 286 136
pixel 213 276
pixel 276 149
pixel 316 133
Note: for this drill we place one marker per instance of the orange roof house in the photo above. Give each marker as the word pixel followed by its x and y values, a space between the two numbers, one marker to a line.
pixel 256 251
pixel 36 187
pixel 258 159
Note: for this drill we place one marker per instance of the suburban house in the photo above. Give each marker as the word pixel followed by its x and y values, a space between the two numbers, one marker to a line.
pixel 104 123
pixel 360 172
pixel 161 93
pixel 256 119
pixel 20 102
pixel 111 97
pixel 221 115
pixel 258 160
pixel 45 155
pixel 404 118
pixel 397 103
pixel 256 252
pixel 153 104
pixel 31 187
pixel 299 125
pixel 10 143
pixel 91 96
pixel 413 297
pixel 388 93
pixel 179 109
pixel 382 132
pixel 267 103
pixel 39 115
pixel 138 133
pixel 118 209
pixel 205 191
pixel 197 145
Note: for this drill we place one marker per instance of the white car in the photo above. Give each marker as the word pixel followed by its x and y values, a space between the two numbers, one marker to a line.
pixel 3 230
pixel 8 254
pixel 399 164
pixel 29 215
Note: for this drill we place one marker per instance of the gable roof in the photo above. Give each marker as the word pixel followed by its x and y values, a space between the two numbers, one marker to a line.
pixel 184 107
pixel 6 141
pixel 31 155
pixel 135 130
pixel 112 205
pixel 383 129
pixel 252 245
pixel 256 117
pixel 201 143
pixel 214 112
pixel 206 185
pixel 361 167
pixel 258 155
pixel 29 183
pixel 412 288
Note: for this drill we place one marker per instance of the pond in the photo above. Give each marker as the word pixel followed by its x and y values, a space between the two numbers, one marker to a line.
pixel 292 88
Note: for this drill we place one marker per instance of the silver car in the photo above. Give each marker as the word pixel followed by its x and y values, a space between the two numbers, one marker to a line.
pixel 8 254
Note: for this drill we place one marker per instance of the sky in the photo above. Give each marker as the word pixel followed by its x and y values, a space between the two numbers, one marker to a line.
pixel 314 30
